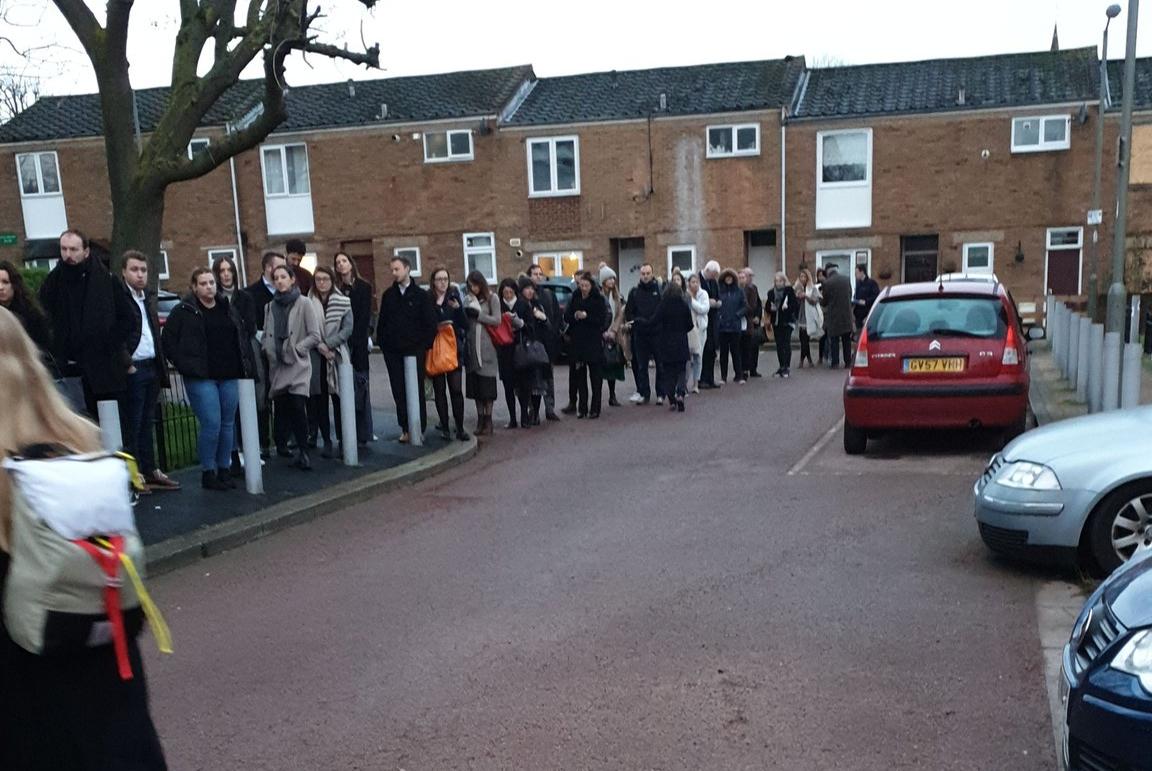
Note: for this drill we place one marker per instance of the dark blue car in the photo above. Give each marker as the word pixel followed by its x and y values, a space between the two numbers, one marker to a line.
pixel 1106 687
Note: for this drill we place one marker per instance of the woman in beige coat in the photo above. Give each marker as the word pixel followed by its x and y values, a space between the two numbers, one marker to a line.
pixel 614 371
pixel 291 331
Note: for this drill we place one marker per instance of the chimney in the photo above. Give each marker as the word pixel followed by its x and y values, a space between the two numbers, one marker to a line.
pixel 961 97
pixel 351 88
pixel 663 102
pixel 383 114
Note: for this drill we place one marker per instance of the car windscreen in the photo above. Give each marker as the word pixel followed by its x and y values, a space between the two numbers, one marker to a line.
pixel 944 316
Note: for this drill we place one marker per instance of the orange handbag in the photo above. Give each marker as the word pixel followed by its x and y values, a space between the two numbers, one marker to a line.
pixel 441 356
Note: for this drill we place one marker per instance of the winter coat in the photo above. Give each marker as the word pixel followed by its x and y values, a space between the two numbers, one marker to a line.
pixel 446 313
pixel 811 316
pixel 733 305
pixel 35 325
pixel 862 300
pixel 672 322
pixel 532 328
pixel 337 329
pixel 261 295
pixel 185 339
pixel 360 293
pixel 480 352
pixel 137 331
pixel 755 312
pixel 588 333
pixel 643 301
pixel 836 297
pixel 551 307
pixel 700 312
pixel 290 370
pixel 784 312
pixel 712 287
pixel 407 321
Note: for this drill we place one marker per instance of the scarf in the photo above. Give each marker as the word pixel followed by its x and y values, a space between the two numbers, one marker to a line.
pixel 282 303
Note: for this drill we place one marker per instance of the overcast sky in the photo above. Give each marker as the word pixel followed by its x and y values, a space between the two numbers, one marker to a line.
pixel 594 35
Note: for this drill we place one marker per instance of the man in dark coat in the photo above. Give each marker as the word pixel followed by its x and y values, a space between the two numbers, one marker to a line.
pixel 91 317
pixel 836 297
pixel 755 315
pixel 295 249
pixel 867 290
pixel 710 283
pixel 642 303
pixel 552 341
pixel 406 327
pixel 261 292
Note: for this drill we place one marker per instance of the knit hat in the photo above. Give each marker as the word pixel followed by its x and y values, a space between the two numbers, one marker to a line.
pixel 605 274
pixel 524 282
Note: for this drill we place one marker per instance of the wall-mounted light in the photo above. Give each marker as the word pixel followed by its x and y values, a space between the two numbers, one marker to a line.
pixel 1019 251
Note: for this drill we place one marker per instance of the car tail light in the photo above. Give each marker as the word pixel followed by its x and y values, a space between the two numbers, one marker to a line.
pixel 861 361
pixel 1011 356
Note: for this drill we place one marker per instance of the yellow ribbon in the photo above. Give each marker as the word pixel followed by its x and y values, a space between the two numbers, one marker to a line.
pixel 134 475
pixel 151 612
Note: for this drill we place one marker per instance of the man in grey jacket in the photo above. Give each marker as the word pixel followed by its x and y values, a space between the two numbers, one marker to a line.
pixel 836 297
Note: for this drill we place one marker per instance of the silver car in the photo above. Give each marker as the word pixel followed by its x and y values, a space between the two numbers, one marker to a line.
pixel 1075 491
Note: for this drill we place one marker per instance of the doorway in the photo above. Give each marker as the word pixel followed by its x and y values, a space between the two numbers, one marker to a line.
pixel 629 253
pixel 919 258
pixel 760 255
pixel 846 261
pixel 1062 266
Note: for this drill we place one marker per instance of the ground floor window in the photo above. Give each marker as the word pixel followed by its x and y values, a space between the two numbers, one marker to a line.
pixel 978 258
pixel 682 256
pixel 480 254
pixel 560 264
pixel 846 261
pixel 412 253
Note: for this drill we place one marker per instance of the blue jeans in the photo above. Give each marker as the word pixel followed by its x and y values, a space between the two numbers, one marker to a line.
pixel 214 402
pixel 138 416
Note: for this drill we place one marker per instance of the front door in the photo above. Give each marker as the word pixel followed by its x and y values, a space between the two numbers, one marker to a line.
pixel 760 254
pixel 846 262
pixel 1062 261
pixel 919 257
pixel 629 258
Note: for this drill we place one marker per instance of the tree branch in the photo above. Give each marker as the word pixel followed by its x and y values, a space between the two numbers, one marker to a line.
pixel 88 30
pixel 369 58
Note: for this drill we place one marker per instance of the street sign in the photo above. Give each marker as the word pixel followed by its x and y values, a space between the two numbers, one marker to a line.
pixel 8 239
pixel 1095 216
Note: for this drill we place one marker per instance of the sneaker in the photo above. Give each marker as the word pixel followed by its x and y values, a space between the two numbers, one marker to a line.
pixel 636 398
pixel 159 481
pixel 569 410
pixel 696 390
pixel 786 374
pixel 660 401
pixel 741 382
pixel 404 438
pixel 755 374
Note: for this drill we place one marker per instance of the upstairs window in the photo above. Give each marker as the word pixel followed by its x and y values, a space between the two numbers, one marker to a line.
pixel 733 141
pixel 1041 133
pixel 553 166
pixel 197 146
pixel 286 170
pixel 845 157
pixel 39 174
pixel 445 146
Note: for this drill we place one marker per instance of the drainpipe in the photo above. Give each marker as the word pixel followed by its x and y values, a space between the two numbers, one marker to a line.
pixel 783 190
pixel 243 279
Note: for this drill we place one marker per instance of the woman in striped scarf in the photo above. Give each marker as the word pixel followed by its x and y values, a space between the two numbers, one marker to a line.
pixel 336 310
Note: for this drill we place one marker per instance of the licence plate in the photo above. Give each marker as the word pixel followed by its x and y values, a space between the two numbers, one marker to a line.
pixel 943 364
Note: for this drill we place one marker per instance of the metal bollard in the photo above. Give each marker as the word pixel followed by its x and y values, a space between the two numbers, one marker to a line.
pixel 1111 377
pixel 1083 334
pixel 1095 367
pixel 250 428
pixel 1060 347
pixel 1067 342
pixel 1133 320
pixel 1130 376
pixel 108 413
pixel 1073 347
pixel 347 416
pixel 412 392
pixel 1054 335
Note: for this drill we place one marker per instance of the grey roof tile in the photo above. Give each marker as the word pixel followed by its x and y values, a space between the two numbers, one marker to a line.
pixel 1143 90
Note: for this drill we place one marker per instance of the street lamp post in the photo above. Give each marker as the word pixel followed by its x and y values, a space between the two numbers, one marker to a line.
pixel 1114 320
pixel 1105 99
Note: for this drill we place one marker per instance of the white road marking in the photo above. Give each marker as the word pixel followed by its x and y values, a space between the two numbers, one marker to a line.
pixel 1057 605
pixel 815 449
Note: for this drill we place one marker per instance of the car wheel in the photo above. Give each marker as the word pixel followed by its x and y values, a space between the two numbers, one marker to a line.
pixel 855 440
pixel 1121 524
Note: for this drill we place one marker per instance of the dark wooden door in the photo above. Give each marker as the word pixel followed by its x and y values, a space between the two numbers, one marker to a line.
pixel 1064 272
pixel 366 264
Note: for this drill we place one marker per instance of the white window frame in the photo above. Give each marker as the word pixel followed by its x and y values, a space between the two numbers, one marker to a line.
pixel 855 254
pixel 40 175
pixel 283 152
pixel 552 192
pixel 216 253
pixel 991 257
pixel 733 129
pixel 197 142
pixel 162 273
pixel 477 250
pixel 820 135
pixel 681 248
pixel 1078 246
pixel 556 257
pixel 1042 146
pixel 451 157
pixel 413 256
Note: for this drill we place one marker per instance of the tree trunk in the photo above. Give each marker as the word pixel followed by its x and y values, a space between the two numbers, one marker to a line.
pixel 138 223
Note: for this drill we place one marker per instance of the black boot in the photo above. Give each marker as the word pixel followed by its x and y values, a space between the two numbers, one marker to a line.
pixel 225 480
pixel 237 469
pixel 209 481
pixel 303 462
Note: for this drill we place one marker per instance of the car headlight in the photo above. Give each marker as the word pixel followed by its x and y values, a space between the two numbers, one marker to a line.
pixel 1135 658
pixel 1028 476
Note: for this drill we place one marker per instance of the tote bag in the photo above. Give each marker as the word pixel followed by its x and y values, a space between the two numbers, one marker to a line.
pixel 502 334
pixel 441 357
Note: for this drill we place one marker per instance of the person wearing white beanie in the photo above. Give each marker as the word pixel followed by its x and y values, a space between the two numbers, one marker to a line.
pixel 605 274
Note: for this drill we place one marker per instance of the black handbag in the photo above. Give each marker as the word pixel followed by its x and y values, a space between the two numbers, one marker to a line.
pixel 528 354
pixel 613 354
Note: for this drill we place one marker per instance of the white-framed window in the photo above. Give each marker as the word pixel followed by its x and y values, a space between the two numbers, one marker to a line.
pixel 560 264
pixel 445 146
pixel 39 174
pixel 1065 238
pixel 732 141
pixel 216 254
pixel 480 254
pixel 978 258
pixel 42 263
pixel 285 170
pixel 162 272
pixel 197 146
pixel 846 261
pixel 413 255
pixel 1041 133
pixel 844 158
pixel 682 256
pixel 553 166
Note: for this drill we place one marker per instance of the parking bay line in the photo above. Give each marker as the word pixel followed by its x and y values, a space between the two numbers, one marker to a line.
pixel 815 449
pixel 1057 605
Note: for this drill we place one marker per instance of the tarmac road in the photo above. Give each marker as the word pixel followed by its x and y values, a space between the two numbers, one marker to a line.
pixel 646 591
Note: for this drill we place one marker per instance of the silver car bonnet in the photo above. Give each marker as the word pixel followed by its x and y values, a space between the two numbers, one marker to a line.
pixel 1129 430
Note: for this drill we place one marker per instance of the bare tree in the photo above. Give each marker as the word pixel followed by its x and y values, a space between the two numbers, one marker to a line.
pixel 140 174
pixel 17 92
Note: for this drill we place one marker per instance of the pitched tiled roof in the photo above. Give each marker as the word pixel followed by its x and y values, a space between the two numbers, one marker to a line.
pixel 1005 80
pixel 707 88
pixel 329 105
pixel 1143 90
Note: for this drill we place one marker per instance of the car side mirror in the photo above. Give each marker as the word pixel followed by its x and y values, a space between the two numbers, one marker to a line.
pixel 1035 332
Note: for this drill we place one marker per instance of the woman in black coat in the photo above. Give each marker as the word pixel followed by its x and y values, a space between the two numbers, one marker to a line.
pixel 359 292
pixel 530 382
pixel 587 319
pixel 15 297
pixel 672 322
pixel 782 306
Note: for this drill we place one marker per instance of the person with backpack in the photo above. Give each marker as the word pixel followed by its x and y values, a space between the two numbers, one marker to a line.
pixel 72 709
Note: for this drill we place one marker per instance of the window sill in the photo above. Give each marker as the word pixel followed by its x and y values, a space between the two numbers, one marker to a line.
pixel 41 195
pixel 740 154
pixel 1040 149
pixel 460 159
pixel 284 196
pixel 560 194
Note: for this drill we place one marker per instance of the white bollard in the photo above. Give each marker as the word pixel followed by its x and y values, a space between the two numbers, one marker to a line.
pixel 250 428
pixel 1066 344
pixel 108 413
pixel 1134 319
pixel 1095 367
pixel 1054 334
pixel 1083 334
pixel 347 416
pixel 1130 382
pixel 1060 352
pixel 413 394
pixel 1111 376
pixel 1073 347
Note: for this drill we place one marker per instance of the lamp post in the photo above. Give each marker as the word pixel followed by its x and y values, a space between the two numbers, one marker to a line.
pixel 1114 320
pixel 1105 99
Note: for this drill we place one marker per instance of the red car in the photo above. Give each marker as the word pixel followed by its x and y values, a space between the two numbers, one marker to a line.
pixel 938 355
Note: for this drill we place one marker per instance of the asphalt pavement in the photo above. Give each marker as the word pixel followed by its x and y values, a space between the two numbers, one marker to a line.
pixel 722 589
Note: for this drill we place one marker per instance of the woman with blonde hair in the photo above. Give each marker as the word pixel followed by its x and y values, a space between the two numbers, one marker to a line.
pixel 782 307
pixel 810 319
pixel 62 711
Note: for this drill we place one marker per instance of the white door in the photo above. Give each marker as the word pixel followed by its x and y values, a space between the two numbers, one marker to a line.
pixel 629 271
pixel 763 262
pixel 846 261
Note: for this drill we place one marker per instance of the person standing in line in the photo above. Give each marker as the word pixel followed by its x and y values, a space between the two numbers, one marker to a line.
pixel 551 307
pixel 292 328
pixel 296 249
pixel 825 356
pixel 730 319
pixel 359 291
pixel 613 373
pixel 754 330
pixel 147 375
pixel 836 298
pixel 587 322
pixel 406 326
pixel 709 281
pixel 782 309
pixel 482 309
pixel 810 318
pixel 867 290
pixel 642 303
pixel 205 341
pixel 672 322
pixel 90 315
pixel 335 312
pixel 262 291
pixel 509 297
pixel 228 285
pixel 677 278
pixel 700 304
pixel 530 380
pixel 15 298
pixel 450 311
